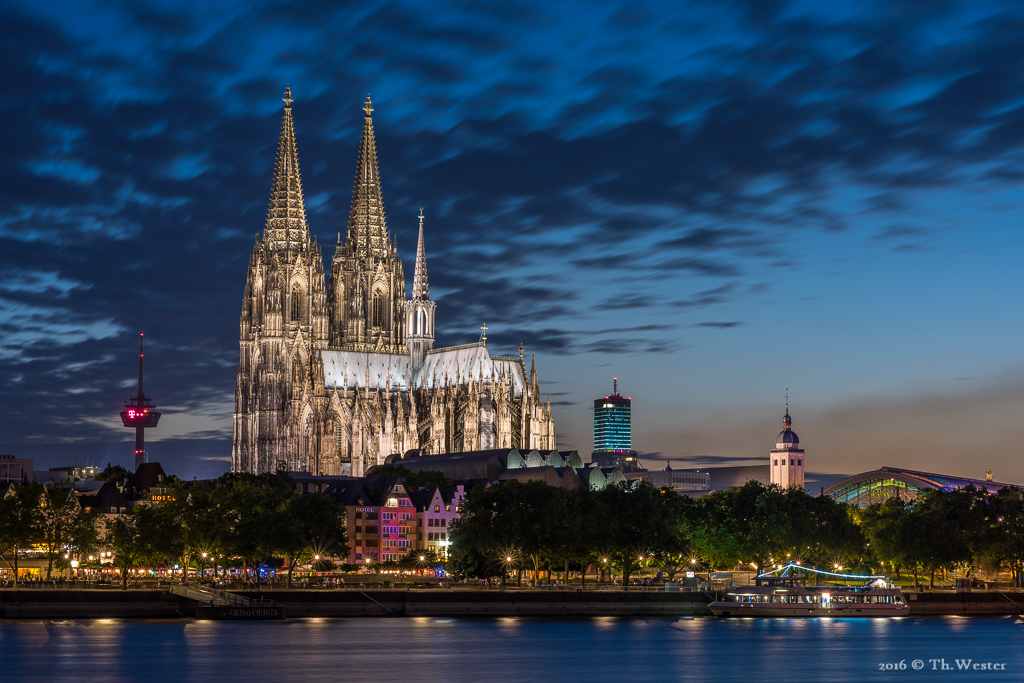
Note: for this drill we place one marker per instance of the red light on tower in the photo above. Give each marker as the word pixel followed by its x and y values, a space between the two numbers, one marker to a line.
pixel 140 413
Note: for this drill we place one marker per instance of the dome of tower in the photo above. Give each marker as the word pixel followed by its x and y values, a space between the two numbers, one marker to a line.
pixel 787 438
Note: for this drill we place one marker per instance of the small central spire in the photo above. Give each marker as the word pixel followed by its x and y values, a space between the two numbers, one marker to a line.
pixel 420 289
pixel 287 97
pixel 368 106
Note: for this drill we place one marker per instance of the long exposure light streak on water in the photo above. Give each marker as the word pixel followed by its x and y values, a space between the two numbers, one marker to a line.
pixel 453 650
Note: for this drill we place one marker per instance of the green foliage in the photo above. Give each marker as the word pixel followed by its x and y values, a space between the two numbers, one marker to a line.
pixel 201 526
pixel 136 538
pixel 640 522
pixel 314 528
pixel 763 524
pixel 954 530
pixel 517 525
pixel 426 479
pixel 1004 539
pixel 253 506
pixel 112 473
pixel 20 521
pixel 255 519
pixel 64 527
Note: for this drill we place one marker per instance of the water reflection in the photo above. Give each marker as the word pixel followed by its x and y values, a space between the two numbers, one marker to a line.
pixel 455 650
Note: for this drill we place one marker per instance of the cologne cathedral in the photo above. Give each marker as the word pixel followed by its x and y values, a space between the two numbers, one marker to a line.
pixel 335 375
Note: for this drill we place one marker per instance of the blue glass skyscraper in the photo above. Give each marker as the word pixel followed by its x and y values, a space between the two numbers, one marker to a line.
pixel 613 430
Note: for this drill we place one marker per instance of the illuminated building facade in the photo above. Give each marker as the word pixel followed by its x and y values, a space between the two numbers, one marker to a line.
pixel 437 509
pixel 787 458
pixel 335 375
pixel 386 521
pixel 613 431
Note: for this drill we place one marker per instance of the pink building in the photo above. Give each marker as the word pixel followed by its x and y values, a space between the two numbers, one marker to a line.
pixel 15 470
pixel 436 510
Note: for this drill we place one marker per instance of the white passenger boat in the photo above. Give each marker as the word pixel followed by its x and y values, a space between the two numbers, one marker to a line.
pixel 788 595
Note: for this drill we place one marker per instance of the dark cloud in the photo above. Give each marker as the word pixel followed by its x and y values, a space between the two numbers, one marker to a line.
pixel 707 297
pixel 563 179
pixel 720 325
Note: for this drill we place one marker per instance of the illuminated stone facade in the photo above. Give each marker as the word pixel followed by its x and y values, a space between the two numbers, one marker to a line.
pixel 335 378
pixel 787 458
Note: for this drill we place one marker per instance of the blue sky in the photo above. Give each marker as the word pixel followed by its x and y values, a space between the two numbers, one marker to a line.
pixel 712 200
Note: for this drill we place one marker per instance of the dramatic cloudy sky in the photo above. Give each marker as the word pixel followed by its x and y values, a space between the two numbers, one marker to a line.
pixel 713 200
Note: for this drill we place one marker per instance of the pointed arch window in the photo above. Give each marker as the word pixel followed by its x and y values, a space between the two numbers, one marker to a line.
pixel 379 310
pixel 296 304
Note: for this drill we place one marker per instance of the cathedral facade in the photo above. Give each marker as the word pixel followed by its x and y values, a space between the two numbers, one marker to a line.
pixel 336 375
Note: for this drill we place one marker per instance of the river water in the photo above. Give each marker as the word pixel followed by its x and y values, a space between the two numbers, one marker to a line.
pixel 515 649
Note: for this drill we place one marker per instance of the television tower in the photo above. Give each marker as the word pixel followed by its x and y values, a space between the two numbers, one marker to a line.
pixel 139 412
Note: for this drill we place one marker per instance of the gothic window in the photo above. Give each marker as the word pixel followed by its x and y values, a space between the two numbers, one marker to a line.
pixel 296 307
pixel 379 312
pixel 257 303
pixel 344 438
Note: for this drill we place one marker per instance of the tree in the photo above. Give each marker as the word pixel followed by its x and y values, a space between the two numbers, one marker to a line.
pixel 112 473
pixel 198 512
pixel 20 521
pixel 64 526
pixel 953 524
pixel 822 530
pixel 419 479
pixel 253 507
pixel 134 537
pixel 752 523
pixel 1005 533
pixel 640 521
pixel 509 520
pixel 315 526
pixel 711 528
pixel 888 533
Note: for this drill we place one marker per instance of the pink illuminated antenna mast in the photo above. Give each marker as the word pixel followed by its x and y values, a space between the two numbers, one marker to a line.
pixel 140 413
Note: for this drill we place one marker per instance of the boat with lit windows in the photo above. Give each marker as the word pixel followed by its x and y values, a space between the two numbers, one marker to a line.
pixel 784 593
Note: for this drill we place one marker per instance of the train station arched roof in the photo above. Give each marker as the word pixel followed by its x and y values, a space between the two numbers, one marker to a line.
pixel 879 485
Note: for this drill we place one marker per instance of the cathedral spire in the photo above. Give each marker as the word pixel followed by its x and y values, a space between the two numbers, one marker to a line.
pixel 367 231
pixel 420 290
pixel 286 218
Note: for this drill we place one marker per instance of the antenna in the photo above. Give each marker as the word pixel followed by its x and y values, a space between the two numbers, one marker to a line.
pixel 615 386
pixel 140 413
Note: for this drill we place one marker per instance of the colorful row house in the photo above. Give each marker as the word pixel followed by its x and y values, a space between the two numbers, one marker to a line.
pixel 385 524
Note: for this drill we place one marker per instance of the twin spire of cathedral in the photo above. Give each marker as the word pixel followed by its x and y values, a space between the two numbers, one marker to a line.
pixel 367 229
pixel 286 218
